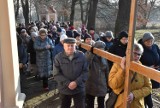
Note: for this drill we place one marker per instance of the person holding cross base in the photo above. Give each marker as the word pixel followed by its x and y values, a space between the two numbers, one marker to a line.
pixel 140 85
pixel 70 71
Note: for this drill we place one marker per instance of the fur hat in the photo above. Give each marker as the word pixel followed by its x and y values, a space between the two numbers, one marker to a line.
pixel 99 44
pixel 147 36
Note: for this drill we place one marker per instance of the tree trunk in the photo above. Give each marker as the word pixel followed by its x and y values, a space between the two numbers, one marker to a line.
pixel 82 12
pixel 25 7
pixel 92 13
pixel 123 16
pixel 72 12
pixel 17 10
pixel 87 11
pixel 148 12
pixel 145 15
pixel 36 9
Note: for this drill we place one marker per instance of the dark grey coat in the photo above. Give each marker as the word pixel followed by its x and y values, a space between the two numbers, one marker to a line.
pixel 96 84
pixel 43 56
pixel 66 71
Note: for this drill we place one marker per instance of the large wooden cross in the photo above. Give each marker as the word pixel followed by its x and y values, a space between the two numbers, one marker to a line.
pixel 130 65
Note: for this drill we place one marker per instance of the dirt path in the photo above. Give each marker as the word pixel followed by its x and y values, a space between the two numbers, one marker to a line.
pixel 36 97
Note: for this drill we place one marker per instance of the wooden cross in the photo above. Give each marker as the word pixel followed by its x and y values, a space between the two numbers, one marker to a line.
pixel 130 65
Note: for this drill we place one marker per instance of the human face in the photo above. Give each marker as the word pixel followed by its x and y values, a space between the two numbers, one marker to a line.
pixel 136 55
pixel 88 41
pixel 33 38
pixel 109 39
pixel 43 36
pixel 124 40
pixel 69 48
pixel 24 34
pixel 148 43
pixel 78 38
pixel 91 31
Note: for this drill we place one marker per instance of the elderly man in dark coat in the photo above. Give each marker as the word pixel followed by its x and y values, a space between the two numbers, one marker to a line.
pixel 70 71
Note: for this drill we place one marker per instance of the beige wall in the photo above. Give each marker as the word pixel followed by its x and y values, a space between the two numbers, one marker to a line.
pixel 0 81
pixel 11 93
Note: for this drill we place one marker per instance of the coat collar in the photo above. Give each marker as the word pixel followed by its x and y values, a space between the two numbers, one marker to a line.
pixel 75 55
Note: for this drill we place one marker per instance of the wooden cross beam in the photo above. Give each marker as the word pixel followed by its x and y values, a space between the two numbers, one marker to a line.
pixel 131 34
pixel 130 65
pixel 141 69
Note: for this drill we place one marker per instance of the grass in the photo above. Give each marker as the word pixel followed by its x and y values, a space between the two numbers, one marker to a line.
pixel 139 33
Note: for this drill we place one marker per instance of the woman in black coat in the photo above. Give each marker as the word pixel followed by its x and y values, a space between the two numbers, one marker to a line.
pixel 119 46
pixel 150 58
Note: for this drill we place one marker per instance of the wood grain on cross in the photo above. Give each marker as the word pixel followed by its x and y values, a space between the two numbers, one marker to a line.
pixel 141 69
pixel 130 65
pixel 131 35
pixel 146 71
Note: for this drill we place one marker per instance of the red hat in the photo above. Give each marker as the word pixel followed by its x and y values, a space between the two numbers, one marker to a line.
pixel 71 27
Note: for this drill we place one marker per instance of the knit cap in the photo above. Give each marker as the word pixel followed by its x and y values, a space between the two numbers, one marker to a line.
pixel 109 34
pixel 76 34
pixel 63 36
pixel 147 36
pixel 87 36
pixel 34 34
pixel 123 34
pixel 59 29
pixel 99 44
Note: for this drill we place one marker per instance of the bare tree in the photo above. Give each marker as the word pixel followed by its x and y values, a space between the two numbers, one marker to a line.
pixel 122 21
pixel 92 13
pixel 16 8
pixel 72 11
pixel 144 8
pixel 25 7
pixel 106 14
pixel 84 7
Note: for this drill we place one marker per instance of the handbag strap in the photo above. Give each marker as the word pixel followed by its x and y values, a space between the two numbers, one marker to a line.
pixel 131 81
pixel 133 77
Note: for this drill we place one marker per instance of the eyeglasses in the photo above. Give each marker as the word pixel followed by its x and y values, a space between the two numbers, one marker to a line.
pixel 42 35
pixel 138 54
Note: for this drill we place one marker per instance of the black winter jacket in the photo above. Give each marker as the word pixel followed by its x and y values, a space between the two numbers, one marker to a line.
pixel 150 57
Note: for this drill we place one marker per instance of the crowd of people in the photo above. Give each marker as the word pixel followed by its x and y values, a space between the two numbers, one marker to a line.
pixel 47 49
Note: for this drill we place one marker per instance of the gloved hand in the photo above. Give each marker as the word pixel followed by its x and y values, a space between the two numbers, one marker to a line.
pixel 92 49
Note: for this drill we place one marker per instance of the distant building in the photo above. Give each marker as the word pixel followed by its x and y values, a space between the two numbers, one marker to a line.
pixel 48 13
